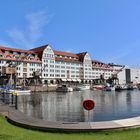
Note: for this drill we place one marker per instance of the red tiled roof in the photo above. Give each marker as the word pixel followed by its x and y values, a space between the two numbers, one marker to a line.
pixel 96 61
pixel 16 50
pixel 79 56
pixel 101 65
pixel 65 53
pixel 82 54
pixel 39 49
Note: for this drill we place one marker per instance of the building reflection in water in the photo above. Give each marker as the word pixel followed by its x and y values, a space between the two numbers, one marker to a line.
pixel 68 107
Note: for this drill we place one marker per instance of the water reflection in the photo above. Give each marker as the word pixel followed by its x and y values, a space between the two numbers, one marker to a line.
pixel 68 106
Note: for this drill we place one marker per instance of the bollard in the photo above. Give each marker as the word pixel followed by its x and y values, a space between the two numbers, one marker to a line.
pixel 12 99
pixel 3 96
pixel 16 100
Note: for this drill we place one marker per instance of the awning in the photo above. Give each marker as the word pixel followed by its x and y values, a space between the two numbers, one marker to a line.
pixel 69 80
pixel 79 80
pixel 74 80
pixel 64 80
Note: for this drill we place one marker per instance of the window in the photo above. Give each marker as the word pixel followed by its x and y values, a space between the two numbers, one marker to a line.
pixel 57 62
pixel 52 66
pixel 51 70
pixel 51 61
pixel 51 75
pixel 24 69
pixel 62 66
pixel 63 71
pixel 57 66
pixel 57 70
pixel 57 75
pixel 62 75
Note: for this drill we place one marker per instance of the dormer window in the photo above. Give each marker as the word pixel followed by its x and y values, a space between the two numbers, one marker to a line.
pixel 22 54
pixel 8 56
pixel 30 57
pixel 7 52
pixel 16 55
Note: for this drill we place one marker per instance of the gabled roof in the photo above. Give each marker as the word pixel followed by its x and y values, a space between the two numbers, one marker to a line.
pixel 81 56
pixel 39 50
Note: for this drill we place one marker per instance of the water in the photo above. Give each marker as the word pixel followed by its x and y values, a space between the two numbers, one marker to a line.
pixel 67 107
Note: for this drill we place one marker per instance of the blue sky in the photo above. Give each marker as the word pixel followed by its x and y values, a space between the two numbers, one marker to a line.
pixel 108 29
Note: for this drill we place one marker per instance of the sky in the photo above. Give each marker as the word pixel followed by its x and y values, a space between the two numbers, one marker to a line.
pixel 109 30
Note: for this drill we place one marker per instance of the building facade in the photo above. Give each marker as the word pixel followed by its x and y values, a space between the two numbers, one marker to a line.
pixel 129 75
pixel 55 66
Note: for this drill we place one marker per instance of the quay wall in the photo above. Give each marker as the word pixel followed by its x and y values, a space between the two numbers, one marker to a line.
pixel 42 88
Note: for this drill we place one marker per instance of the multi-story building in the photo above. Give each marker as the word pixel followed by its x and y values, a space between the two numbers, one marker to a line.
pixel 129 75
pixel 66 66
pixel 56 66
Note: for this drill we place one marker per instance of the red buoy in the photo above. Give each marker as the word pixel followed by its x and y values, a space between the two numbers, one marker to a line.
pixel 88 104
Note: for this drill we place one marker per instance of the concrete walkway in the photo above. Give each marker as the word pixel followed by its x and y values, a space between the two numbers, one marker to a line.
pixel 17 118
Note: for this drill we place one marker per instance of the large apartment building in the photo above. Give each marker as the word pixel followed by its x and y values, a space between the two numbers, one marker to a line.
pixel 55 66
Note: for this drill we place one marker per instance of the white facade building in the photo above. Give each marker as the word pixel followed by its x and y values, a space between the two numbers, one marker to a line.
pixel 54 66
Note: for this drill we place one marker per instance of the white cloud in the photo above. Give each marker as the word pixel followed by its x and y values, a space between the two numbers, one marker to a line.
pixel 32 32
pixel 19 38
pixel 36 23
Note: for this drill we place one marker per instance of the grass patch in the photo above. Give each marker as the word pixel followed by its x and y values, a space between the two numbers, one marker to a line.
pixel 11 132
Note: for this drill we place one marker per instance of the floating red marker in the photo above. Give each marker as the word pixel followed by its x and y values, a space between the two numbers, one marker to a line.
pixel 88 104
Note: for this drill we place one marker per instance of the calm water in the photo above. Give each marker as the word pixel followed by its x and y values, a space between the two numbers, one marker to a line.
pixel 68 107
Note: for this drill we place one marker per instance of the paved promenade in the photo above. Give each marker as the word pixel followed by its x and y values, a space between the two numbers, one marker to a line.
pixel 20 119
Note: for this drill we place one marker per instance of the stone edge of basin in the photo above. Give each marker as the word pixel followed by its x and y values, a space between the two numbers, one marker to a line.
pixel 20 119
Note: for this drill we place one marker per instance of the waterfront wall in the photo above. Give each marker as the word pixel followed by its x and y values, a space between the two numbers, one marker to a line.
pixel 43 88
